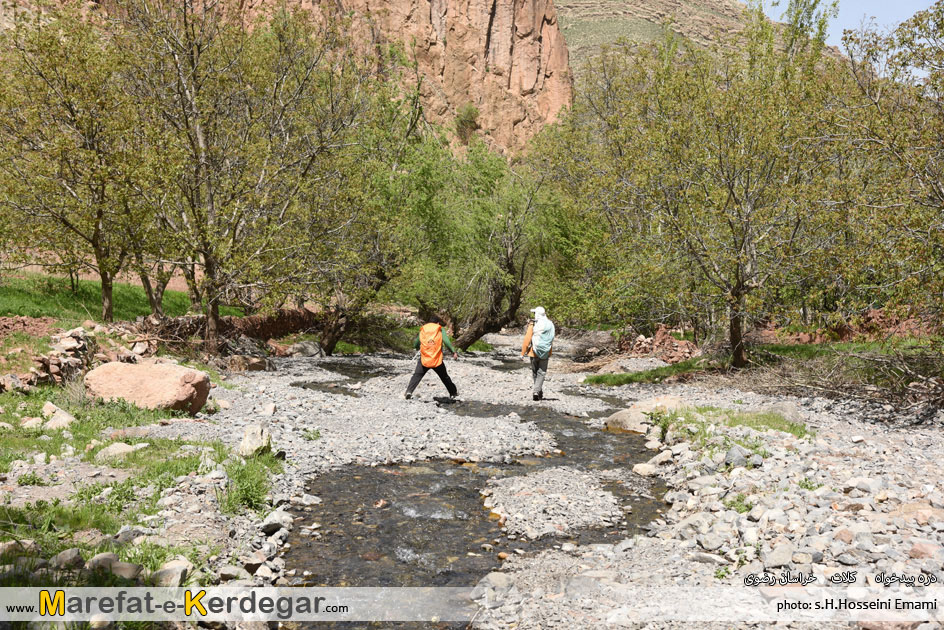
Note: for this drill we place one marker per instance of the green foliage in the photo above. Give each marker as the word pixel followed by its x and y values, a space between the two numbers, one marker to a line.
pixel 248 484
pixel 467 121
pixel 655 375
pixel 808 484
pixel 738 503
pixel 30 479
pixel 311 435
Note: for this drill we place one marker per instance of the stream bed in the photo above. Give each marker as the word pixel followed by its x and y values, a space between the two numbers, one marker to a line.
pixel 424 523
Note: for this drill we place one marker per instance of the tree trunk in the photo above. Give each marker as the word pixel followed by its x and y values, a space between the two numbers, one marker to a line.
pixel 333 331
pixel 156 308
pixel 736 332
pixel 108 310
pixel 193 290
pixel 212 293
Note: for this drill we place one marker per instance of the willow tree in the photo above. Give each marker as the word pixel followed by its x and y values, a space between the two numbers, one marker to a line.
pixel 246 119
pixel 710 162
pixel 70 161
pixel 899 123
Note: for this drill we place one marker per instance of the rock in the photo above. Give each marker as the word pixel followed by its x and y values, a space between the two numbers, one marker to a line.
pixel 779 556
pixel 268 409
pixel 256 441
pixel 31 423
pixel 790 411
pixel 646 470
pixel 59 420
pixel 305 349
pixel 6 427
pixel 736 456
pixel 100 622
pixel 230 572
pixel 68 559
pixel 126 570
pixel 172 574
pixel 636 420
pixel 662 458
pixel 279 519
pixel 923 550
pixel 102 561
pixel 150 385
pixel 118 450
pixel 243 363
pixel 255 560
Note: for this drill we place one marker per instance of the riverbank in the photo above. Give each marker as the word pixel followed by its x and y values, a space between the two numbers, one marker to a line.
pixel 745 483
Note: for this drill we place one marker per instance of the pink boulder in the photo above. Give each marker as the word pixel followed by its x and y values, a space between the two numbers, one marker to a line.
pixel 150 385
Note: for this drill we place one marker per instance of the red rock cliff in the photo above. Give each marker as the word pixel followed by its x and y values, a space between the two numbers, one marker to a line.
pixel 505 57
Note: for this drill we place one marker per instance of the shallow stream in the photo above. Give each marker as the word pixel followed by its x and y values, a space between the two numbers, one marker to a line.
pixel 424 524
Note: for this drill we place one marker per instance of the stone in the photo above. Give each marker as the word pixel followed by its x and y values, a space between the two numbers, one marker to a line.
pixel 735 456
pixel 268 409
pixel 663 457
pixel 779 556
pixel 31 423
pixel 118 450
pixel 230 572
pixel 646 470
pixel 636 418
pixel 790 411
pixel 59 420
pixel 923 550
pixel 255 560
pixel 102 561
pixel 68 559
pixel 6 427
pixel 256 441
pixel 279 519
pixel 126 570
pixel 150 385
pixel 172 574
pixel 242 363
pixel 305 349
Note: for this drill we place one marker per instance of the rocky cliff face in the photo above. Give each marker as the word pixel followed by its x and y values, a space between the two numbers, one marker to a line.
pixel 505 57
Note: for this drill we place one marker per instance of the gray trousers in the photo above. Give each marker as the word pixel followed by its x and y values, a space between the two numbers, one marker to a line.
pixel 538 372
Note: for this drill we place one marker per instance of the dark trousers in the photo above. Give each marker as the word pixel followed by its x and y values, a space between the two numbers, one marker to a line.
pixel 440 369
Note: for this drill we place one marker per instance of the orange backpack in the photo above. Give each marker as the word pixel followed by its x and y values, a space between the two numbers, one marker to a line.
pixel 431 345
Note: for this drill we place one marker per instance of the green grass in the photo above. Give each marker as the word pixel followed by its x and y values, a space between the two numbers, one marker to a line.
pixel 739 504
pixel 311 435
pixel 38 295
pixel 808 484
pixel 30 479
pixel 757 420
pixel 248 483
pixel 656 375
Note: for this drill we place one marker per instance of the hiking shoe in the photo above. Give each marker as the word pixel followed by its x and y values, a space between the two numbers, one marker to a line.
pixel 538 396
pixel 455 398
pixel 408 395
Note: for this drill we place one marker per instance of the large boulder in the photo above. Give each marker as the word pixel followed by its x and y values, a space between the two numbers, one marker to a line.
pixel 636 420
pixel 150 385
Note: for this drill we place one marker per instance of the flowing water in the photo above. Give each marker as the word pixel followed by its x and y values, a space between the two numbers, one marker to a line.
pixel 424 524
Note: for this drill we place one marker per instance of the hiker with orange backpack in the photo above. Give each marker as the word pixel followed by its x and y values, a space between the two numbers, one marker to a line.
pixel 430 343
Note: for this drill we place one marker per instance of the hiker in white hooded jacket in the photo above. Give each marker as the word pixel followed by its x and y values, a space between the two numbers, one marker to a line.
pixel 537 344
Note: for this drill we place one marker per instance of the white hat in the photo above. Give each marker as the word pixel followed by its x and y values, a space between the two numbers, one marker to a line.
pixel 538 311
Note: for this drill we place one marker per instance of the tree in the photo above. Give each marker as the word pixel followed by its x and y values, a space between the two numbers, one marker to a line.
pixel 899 124
pixel 69 160
pixel 247 121
pixel 709 163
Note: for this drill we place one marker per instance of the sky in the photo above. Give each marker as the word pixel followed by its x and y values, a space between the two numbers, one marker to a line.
pixel 851 13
